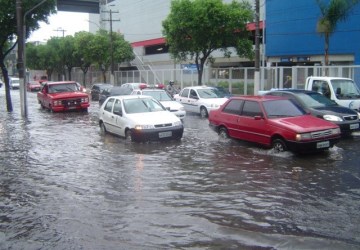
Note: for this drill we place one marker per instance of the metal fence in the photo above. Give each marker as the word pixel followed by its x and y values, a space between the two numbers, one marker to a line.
pixel 237 80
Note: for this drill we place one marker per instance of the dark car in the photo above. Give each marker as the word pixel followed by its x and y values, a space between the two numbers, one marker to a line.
pixel 320 106
pixel 113 91
pixel 97 88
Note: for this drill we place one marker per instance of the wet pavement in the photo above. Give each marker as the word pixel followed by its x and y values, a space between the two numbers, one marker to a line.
pixel 63 185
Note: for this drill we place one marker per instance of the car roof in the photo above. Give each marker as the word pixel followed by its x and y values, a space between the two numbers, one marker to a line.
pixel 258 97
pixel 199 87
pixel 129 97
pixel 295 91
pixel 61 82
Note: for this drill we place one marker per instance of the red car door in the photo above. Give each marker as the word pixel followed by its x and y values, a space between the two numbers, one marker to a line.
pixel 252 124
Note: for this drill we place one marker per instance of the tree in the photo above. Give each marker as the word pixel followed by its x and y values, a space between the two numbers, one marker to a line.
pixel 196 28
pixel 8 27
pixel 83 51
pixel 100 52
pixel 331 14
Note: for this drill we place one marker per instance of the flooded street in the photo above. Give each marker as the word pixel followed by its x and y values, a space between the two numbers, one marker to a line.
pixel 63 185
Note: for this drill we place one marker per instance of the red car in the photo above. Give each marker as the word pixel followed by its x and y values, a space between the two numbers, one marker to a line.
pixel 63 96
pixel 275 122
pixel 33 86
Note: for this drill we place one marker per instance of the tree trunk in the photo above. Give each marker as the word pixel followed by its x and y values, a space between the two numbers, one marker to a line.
pixel 327 39
pixel 7 86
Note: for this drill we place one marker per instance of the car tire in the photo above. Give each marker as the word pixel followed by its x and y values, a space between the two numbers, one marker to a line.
pixel 102 128
pixel 279 145
pixel 203 112
pixel 223 133
pixel 128 135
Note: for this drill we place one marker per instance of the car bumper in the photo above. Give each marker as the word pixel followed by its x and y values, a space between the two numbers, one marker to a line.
pixel 157 134
pixel 347 128
pixel 312 146
pixel 69 108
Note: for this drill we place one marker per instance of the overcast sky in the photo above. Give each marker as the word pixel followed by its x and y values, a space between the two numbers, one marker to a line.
pixel 70 22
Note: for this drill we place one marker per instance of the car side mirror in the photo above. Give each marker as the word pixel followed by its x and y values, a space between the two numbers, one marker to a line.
pixel 258 117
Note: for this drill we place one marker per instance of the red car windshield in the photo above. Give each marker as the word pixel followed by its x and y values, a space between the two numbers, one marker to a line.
pixel 282 108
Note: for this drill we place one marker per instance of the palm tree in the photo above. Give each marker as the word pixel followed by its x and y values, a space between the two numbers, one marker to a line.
pixel 332 13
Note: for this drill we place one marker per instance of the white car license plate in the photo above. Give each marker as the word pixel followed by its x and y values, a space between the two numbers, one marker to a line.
pixel 354 126
pixel 165 134
pixel 323 144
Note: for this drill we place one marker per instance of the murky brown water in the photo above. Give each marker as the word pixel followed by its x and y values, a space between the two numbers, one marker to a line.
pixel 65 186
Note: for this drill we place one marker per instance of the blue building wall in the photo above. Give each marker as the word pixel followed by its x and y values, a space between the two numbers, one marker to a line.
pixel 291 30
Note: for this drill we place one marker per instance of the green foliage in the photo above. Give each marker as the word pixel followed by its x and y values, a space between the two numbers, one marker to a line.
pixel 332 12
pixel 80 50
pixel 8 29
pixel 196 28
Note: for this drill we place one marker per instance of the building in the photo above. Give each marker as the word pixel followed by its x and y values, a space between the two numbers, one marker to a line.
pixel 292 39
pixel 141 24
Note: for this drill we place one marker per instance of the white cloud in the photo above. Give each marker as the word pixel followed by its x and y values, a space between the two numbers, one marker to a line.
pixel 69 22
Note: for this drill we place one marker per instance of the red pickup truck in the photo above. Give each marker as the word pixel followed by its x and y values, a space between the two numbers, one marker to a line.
pixel 63 96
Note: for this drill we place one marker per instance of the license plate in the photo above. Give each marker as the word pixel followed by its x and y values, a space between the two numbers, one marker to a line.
pixel 323 144
pixel 354 126
pixel 165 134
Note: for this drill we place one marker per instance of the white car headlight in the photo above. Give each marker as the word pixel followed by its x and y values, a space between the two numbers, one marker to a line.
pixel 358 114
pixel 178 123
pixel 304 136
pixel 333 118
pixel 140 127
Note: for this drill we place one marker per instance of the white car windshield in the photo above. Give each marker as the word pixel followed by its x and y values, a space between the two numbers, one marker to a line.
pixel 158 95
pixel 142 105
pixel 345 89
pixel 67 87
pixel 209 93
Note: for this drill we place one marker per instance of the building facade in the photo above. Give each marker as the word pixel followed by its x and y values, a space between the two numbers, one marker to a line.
pixel 292 39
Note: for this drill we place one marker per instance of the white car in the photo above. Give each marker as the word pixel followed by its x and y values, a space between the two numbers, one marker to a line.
pixel 139 118
pixel 165 99
pixel 200 99
pixel 14 83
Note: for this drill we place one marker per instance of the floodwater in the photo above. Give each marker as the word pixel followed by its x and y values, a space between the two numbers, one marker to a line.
pixel 63 185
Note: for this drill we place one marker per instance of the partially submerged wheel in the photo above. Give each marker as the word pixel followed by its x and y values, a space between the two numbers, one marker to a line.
pixel 279 145
pixel 128 135
pixel 203 112
pixel 102 128
pixel 223 133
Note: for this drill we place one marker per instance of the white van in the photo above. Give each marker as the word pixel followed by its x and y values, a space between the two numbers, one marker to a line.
pixel 14 83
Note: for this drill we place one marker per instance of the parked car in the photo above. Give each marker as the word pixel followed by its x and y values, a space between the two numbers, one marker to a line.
pixel 112 91
pixel 275 122
pixel 320 106
pixel 165 99
pixel 63 96
pixel 200 99
pixel 32 86
pixel 131 86
pixel 14 83
pixel 97 88
pixel 139 118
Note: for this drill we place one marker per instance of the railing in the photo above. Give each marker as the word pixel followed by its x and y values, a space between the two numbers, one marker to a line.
pixel 237 80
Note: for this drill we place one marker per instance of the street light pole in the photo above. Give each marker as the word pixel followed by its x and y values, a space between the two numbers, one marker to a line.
pixel 257 49
pixel 112 75
pixel 21 29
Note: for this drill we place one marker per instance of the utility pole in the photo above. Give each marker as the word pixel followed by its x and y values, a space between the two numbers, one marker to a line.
pixel 62 30
pixel 111 20
pixel 20 61
pixel 257 49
